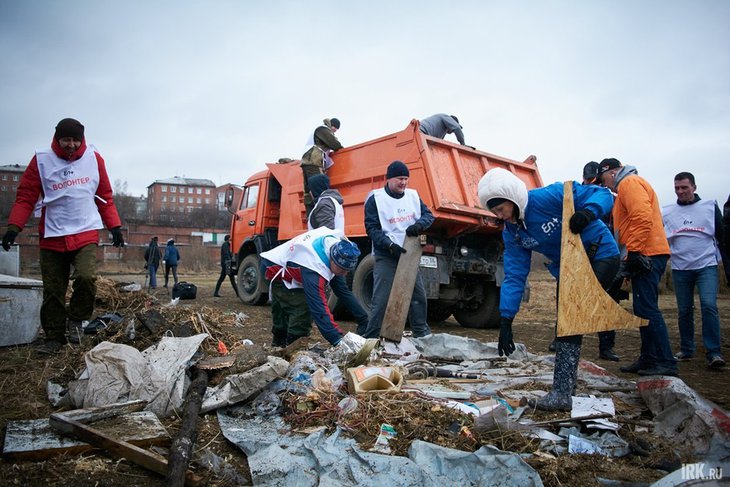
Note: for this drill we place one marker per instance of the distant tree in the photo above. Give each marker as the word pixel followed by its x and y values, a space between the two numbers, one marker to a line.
pixel 126 203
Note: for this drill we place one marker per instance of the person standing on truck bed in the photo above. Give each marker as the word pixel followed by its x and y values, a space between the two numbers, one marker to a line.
pixel 328 212
pixel 391 213
pixel 533 222
pixel 298 271
pixel 441 124
pixel 316 159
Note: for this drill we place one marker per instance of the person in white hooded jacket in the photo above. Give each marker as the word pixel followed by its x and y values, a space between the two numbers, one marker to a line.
pixel 533 222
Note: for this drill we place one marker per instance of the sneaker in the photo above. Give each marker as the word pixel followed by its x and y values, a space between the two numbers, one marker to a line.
pixel 682 356
pixel 658 370
pixel 48 347
pixel 716 362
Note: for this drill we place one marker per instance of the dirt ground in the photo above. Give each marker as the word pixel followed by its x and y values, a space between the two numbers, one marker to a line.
pixel 23 376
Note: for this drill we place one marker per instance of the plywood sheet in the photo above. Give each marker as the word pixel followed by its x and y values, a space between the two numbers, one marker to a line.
pixel 583 305
pixel 394 320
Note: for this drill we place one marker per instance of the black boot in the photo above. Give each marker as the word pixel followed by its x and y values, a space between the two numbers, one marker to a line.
pixel 565 377
pixel 293 338
pixel 279 339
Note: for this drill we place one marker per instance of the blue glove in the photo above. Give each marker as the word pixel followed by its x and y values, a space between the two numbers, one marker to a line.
pixel 505 345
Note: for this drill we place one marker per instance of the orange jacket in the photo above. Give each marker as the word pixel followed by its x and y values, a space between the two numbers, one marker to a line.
pixel 637 217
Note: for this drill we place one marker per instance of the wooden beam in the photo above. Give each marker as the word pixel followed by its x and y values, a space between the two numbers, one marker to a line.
pixel 394 320
pixel 583 305
pixel 182 446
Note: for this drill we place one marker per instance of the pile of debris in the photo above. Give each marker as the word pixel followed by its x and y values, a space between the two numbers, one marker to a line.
pixel 434 410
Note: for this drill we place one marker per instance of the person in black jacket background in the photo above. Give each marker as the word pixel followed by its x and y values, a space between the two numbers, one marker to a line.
pixel 226 258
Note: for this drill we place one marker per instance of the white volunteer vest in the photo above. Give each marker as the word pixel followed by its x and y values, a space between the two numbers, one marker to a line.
pixel 339 215
pixel 690 230
pixel 68 193
pixel 300 250
pixel 397 214
pixel 327 161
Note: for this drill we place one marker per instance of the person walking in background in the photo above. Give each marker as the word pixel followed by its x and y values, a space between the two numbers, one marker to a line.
pixel 317 155
pixel 441 124
pixel 391 213
pixel 533 223
pixel 694 230
pixel 638 220
pixel 171 260
pixel 152 259
pixel 226 258
pixel 328 212
pixel 71 181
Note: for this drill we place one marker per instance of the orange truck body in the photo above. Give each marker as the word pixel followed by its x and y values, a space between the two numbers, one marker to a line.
pixel 462 253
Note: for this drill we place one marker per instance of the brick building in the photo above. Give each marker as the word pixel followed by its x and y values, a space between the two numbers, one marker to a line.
pixel 169 200
pixel 10 178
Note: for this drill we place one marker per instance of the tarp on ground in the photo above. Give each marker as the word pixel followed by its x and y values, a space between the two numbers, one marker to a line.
pixel 278 457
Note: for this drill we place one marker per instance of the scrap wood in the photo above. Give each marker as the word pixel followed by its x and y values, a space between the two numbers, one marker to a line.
pixel 151 461
pixel 568 420
pixel 182 445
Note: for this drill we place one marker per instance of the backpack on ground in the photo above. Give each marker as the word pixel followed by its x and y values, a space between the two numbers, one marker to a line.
pixel 184 290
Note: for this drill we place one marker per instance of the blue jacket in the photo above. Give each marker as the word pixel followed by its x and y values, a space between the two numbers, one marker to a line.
pixel 172 256
pixel 381 242
pixel 540 230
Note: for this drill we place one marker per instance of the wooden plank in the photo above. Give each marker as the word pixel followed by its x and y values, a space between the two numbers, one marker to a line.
pixel 36 440
pixel 396 313
pixel 182 447
pixel 151 461
pixel 90 415
pixel 583 305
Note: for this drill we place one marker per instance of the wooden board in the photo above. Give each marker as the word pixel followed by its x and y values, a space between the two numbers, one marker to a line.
pixel 36 440
pixel 394 320
pixel 583 305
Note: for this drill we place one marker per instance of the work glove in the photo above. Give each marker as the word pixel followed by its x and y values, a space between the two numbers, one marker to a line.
pixel 117 238
pixel 395 250
pixel 414 230
pixel 9 239
pixel 506 345
pixel 637 264
pixel 580 220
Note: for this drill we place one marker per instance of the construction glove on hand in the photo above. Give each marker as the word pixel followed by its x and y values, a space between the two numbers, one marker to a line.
pixel 637 264
pixel 505 345
pixel 414 230
pixel 9 239
pixel 117 238
pixel 395 250
pixel 580 220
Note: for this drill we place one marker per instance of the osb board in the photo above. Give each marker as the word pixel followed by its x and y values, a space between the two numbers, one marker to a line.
pixel 36 440
pixel 583 305
pixel 394 320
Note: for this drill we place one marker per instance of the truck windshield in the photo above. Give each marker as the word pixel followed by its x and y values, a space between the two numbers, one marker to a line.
pixel 250 197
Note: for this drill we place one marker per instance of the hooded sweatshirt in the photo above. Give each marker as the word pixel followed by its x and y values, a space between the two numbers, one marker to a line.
pixel 637 215
pixel 539 228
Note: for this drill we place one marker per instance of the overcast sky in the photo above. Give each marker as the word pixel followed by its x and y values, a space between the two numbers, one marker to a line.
pixel 215 89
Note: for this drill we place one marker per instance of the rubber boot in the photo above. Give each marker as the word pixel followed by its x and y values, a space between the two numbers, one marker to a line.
pixel 565 377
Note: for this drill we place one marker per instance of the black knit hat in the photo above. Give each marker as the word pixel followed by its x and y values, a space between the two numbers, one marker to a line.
pixel 397 169
pixel 335 123
pixel 493 202
pixel 318 184
pixel 68 127
pixel 590 170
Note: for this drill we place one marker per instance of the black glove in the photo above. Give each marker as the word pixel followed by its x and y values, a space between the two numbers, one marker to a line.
pixel 9 239
pixel 637 264
pixel 395 250
pixel 506 345
pixel 117 238
pixel 145 266
pixel 414 230
pixel 580 220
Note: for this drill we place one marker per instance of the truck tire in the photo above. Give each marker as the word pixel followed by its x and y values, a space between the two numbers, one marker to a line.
pixel 251 286
pixel 362 282
pixel 338 309
pixel 437 313
pixel 486 315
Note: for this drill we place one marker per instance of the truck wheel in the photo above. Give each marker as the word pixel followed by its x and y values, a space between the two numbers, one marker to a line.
pixel 362 282
pixel 438 312
pixel 338 309
pixel 251 286
pixel 485 315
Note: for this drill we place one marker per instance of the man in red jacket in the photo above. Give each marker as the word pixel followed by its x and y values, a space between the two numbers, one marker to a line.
pixel 71 183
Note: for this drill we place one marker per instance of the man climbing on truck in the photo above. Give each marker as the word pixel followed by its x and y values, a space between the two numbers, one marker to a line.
pixel 316 158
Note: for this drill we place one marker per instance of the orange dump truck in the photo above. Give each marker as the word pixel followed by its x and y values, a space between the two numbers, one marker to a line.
pixel 462 258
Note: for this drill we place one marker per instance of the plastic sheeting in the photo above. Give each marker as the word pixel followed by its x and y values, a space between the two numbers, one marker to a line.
pixel 278 457
pixel 463 348
pixel 118 373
